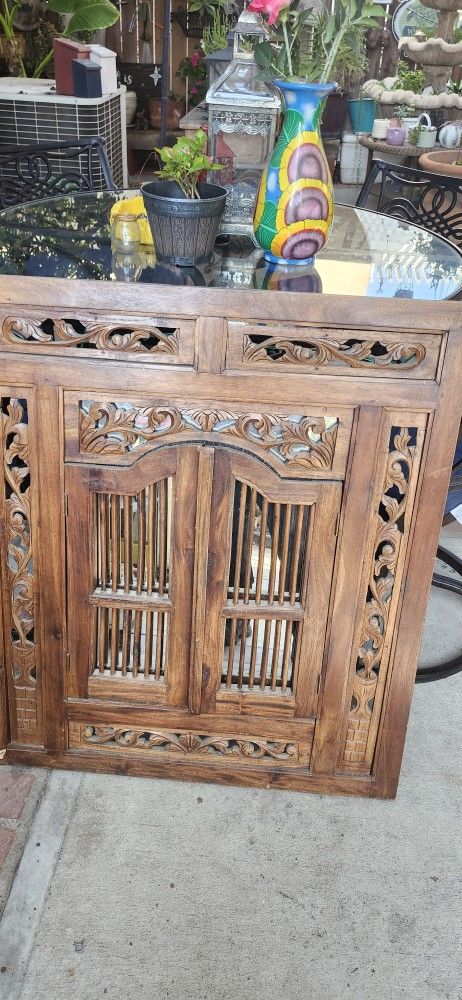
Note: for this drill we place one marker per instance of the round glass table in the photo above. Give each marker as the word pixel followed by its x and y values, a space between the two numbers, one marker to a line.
pixel 367 254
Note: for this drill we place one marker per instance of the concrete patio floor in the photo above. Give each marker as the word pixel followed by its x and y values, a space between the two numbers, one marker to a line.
pixel 130 888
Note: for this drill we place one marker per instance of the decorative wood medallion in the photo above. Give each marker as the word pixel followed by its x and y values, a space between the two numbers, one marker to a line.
pixel 295 441
pixel 258 750
pixel 20 644
pixel 387 545
pixel 144 337
pixel 353 352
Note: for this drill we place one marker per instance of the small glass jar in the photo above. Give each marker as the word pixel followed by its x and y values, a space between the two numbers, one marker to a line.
pixel 127 265
pixel 125 233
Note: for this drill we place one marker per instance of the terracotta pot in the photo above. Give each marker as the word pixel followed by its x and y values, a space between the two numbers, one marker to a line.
pixel 175 111
pixel 441 161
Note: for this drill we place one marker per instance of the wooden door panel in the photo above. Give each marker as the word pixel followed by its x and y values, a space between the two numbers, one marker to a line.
pixel 269 575
pixel 130 569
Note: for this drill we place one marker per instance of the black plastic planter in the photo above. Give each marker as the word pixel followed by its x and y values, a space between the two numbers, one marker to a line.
pixel 184 230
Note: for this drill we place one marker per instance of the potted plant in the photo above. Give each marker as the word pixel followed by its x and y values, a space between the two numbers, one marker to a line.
pixel 12 46
pixel 196 16
pixel 443 161
pixel 193 71
pixel 84 15
pixel 294 209
pixel 184 212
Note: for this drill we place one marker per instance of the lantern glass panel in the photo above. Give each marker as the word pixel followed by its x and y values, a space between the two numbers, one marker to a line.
pixel 243 155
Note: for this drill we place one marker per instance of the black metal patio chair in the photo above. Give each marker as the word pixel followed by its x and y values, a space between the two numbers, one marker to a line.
pixel 47 169
pixel 433 201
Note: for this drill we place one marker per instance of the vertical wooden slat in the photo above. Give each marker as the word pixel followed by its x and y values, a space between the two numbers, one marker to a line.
pixel 141 513
pixel 248 555
pixel 253 652
pixel 138 616
pixel 159 643
pixel 115 540
pixel 232 640
pixel 148 644
pixel 114 639
pixel 242 651
pixel 286 655
pixel 274 551
pixel 240 536
pixel 295 554
pixel 163 510
pixel 264 654
pixel 285 551
pixel 127 543
pixel 275 660
pixel 261 550
pixel 126 631
pixel 102 639
pixel 103 536
pixel 151 539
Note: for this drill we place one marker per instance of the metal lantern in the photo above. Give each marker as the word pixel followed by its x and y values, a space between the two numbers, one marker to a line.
pixel 242 124
pixel 217 62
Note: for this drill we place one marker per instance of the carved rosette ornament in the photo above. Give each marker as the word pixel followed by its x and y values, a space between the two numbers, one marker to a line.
pixel 296 441
pixel 192 745
pixel 381 588
pixel 20 643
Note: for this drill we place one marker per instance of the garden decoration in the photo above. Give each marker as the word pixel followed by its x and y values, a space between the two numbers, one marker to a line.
pixel 294 208
pixel 431 87
pixel 184 212
pixel 242 117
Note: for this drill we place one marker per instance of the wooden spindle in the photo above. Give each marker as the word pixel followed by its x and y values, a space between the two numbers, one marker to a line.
pixel 285 552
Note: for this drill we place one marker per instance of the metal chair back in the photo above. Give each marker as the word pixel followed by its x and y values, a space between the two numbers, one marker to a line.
pixel 433 201
pixel 44 170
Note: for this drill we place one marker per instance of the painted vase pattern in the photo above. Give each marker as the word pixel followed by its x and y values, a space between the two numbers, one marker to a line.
pixel 294 208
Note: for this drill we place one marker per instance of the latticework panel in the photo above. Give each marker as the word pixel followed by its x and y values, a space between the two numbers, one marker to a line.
pixel 265 592
pixel 132 569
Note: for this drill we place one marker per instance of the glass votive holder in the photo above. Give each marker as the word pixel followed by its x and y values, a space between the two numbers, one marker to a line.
pixel 125 233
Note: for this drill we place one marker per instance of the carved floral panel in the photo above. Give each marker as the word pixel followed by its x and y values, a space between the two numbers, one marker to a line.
pixel 190 745
pixel 19 556
pixel 296 441
pixel 148 338
pixel 389 546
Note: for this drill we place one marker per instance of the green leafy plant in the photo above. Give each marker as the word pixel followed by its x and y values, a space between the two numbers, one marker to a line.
pixel 205 6
pixel 7 16
pixel 185 162
pixel 413 135
pixel 409 79
pixel 351 60
pixel 403 111
pixel 85 15
pixel 193 70
pixel 286 56
pixel 215 35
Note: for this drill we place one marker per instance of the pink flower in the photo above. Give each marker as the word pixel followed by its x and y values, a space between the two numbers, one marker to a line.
pixel 195 59
pixel 272 8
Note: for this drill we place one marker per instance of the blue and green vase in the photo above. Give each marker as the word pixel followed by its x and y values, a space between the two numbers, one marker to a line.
pixel 294 208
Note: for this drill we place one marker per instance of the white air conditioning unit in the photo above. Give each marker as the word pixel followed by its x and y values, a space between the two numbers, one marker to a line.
pixel 32 111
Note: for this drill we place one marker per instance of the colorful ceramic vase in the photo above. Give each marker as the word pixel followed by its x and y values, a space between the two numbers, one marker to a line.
pixel 293 212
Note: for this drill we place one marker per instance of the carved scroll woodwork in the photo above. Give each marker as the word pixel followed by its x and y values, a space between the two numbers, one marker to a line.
pixel 159 743
pixel 301 442
pixel 388 549
pixel 19 562
pixel 143 337
pixel 353 353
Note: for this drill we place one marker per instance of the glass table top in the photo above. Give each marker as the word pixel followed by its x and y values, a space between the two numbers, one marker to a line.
pixel 367 254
